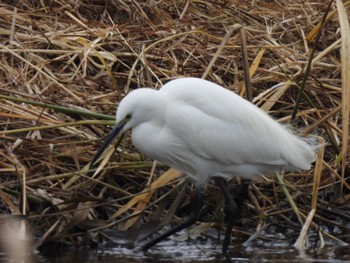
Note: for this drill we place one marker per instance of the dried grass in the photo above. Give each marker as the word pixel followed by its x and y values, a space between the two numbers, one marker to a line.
pixel 84 56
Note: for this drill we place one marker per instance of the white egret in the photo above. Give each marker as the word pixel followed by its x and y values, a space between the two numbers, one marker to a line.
pixel 207 131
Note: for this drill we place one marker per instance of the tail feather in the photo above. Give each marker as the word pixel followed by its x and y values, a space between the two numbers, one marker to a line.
pixel 304 152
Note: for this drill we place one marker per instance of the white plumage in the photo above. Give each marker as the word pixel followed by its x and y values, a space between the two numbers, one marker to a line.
pixel 204 130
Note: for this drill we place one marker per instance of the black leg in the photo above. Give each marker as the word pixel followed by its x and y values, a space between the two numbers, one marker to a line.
pixel 188 222
pixel 232 210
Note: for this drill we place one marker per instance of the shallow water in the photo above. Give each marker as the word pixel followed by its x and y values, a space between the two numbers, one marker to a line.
pixel 271 248
pixel 171 251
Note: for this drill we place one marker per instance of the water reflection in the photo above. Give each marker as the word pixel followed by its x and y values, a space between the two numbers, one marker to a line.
pixel 193 252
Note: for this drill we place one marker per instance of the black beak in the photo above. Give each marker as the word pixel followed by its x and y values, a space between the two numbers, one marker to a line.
pixel 108 139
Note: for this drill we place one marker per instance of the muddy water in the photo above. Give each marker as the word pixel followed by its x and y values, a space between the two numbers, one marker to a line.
pixel 171 251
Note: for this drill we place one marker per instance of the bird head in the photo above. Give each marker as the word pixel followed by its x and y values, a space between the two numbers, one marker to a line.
pixel 138 106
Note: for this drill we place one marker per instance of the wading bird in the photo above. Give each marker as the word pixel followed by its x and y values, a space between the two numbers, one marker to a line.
pixel 207 132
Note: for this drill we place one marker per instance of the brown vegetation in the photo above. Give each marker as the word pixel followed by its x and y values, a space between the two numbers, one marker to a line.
pixel 84 56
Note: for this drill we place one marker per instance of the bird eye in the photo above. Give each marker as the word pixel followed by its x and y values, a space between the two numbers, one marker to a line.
pixel 128 116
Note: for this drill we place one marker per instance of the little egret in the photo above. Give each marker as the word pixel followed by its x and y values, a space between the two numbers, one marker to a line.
pixel 207 131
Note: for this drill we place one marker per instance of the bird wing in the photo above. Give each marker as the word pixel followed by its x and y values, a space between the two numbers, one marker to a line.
pixel 234 142
pixel 217 124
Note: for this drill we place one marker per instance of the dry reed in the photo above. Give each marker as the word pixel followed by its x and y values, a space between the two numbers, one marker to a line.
pixel 63 62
